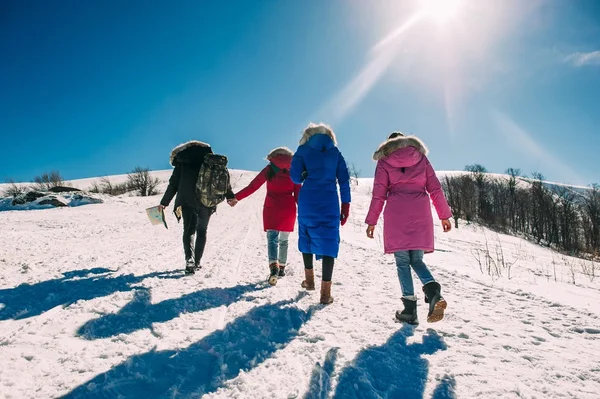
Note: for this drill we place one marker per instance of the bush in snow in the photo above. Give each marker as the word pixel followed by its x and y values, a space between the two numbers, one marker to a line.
pixel 46 181
pixel 105 186
pixel 140 180
pixel 14 189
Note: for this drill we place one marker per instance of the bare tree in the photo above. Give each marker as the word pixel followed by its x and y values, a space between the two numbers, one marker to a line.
pixel 140 180
pixel 46 181
pixel 354 173
pixel 591 212
pixel 456 201
pixel 568 220
pixel 513 174
pixel 482 182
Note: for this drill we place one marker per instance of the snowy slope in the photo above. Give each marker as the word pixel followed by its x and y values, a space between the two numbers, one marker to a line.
pixel 93 304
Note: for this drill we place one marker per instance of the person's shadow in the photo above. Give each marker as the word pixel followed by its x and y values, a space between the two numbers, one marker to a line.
pixel 140 313
pixel 393 370
pixel 28 300
pixel 206 365
pixel 445 388
pixel 320 381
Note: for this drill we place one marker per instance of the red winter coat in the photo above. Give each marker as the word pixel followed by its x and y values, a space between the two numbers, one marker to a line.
pixel 279 212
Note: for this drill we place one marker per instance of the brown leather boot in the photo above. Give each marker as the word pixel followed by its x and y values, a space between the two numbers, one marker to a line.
pixel 326 297
pixel 274 269
pixel 309 283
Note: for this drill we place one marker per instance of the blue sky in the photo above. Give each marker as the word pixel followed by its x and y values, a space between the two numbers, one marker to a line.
pixel 96 88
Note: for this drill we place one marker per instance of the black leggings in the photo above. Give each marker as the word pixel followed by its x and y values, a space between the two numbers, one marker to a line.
pixel 195 221
pixel 328 263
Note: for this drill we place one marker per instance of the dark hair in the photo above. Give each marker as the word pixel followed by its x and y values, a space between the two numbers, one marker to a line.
pixel 395 135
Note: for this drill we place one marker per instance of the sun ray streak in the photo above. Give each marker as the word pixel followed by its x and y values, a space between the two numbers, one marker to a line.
pixel 398 32
pixel 381 56
pixel 523 141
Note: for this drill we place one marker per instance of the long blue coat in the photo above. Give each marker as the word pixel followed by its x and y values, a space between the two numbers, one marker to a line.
pixel 319 165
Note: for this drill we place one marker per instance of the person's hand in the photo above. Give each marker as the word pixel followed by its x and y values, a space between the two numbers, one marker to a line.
pixel 446 225
pixel 345 213
pixel 370 231
pixel 161 207
pixel 232 202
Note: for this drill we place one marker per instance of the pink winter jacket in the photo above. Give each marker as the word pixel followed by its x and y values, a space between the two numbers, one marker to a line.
pixel 405 179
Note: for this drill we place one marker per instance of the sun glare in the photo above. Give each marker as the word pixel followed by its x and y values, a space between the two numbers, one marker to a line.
pixel 441 10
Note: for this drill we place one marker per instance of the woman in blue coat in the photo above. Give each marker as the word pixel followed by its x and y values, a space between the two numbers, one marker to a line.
pixel 319 166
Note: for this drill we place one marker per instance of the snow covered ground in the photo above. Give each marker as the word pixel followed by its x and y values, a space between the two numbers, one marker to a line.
pixel 93 303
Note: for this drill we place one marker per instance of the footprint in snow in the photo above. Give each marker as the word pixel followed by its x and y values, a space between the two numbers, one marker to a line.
pixel 585 330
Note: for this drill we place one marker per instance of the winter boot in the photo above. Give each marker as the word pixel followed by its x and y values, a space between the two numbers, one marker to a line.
pixel 326 297
pixel 309 283
pixel 437 304
pixel 190 266
pixel 274 268
pixel 281 270
pixel 409 314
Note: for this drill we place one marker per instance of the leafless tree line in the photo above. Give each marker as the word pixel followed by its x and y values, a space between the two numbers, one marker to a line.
pixel 139 181
pixel 554 216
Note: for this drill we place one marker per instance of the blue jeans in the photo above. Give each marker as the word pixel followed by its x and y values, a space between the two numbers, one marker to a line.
pixel 277 244
pixel 404 261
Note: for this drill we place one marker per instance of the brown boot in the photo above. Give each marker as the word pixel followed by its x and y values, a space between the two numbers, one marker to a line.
pixel 326 297
pixel 274 269
pixel 309 283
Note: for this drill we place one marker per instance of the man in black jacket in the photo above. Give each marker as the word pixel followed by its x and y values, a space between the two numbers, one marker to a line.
pixel 187 158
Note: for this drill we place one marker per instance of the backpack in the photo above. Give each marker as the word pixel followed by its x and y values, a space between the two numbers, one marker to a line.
pixel 213 180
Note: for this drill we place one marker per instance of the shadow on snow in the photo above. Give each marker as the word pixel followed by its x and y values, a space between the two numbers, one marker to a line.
pixel 445 389
pixel 206 365
pixel 140 313
pixel 28 300
pixel 320 381
pixel 393 370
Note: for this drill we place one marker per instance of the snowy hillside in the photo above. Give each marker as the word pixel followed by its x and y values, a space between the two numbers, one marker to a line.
pixel 94 304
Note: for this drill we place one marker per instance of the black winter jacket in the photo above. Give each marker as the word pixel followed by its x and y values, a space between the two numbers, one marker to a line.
pixel 187 158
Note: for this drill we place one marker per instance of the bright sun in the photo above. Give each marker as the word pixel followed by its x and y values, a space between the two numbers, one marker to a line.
pixel 441 10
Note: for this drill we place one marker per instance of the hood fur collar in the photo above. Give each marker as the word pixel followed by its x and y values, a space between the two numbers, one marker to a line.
pixel 389 146
pixel 184 146
pixel 279 151
pixel 314 128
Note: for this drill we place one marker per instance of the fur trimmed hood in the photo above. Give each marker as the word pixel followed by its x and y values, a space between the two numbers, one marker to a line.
pixel 185 146
pixel 389 146
pixel 317 128
pixel 279 151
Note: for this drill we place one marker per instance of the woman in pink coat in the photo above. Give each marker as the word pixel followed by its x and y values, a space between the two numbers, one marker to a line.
pixel 406 180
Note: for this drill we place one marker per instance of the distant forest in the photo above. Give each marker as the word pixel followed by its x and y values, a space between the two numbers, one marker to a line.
pixel 560 217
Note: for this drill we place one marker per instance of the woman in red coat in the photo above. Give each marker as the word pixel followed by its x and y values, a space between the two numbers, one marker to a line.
pixel 279 212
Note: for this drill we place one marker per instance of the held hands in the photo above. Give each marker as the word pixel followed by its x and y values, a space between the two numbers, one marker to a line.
pixel 345 213
pixel 370 231
pixel 446 225
pixel 232 202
